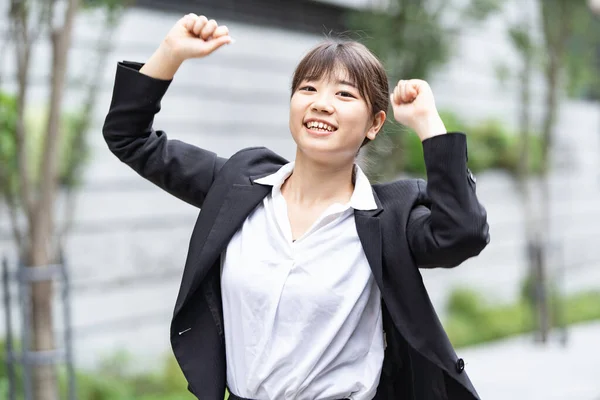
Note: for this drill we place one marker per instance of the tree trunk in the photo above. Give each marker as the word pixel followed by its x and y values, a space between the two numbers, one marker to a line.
pixel 524 170
pixel 45 382
pixel 42 228
pixel 551 108
pixel 530 227
pixel 31 252
pixel 557 19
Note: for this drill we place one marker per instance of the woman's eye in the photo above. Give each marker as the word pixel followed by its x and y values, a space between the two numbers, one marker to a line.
pixel 308 88
pixel 346 94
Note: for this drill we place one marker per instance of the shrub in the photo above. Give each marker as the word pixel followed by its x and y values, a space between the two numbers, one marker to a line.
pixel 491 146
pixel 113 380
pixel 471 320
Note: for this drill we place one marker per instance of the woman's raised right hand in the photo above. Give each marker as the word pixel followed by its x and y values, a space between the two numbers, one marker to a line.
pixel 195 36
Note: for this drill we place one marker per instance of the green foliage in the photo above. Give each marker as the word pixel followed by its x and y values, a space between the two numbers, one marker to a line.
pixel 412 38
pixel 99 387
pixel 113 9
pixel 412 156
pixel 464 302
pixel 582 307
pixel 4 371
pixel 172 377
pixel 115 379
pixel 528 290
pixel 73 146
pixel 520 38
pixel 479 10
pixel 108 5
pixel 581 38
pixel 408 37
pixel 582 55
pixel 472 320
pixel 8 147
pixel 411 41
pixel 119 380
pixel 571 35
pixel 491 146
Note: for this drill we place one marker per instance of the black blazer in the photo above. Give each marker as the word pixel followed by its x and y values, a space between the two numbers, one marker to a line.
pixel 416 224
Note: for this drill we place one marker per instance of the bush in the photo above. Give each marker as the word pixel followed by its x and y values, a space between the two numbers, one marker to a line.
pixel 491 146
pixel 582 307
pixel 102 387
pixel 471 320
pixel 113 380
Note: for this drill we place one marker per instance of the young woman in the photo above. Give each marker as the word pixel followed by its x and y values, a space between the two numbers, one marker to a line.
pixel 302 278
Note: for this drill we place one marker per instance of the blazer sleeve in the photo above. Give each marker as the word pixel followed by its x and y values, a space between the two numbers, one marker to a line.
pixel 448 224
pixel 184 170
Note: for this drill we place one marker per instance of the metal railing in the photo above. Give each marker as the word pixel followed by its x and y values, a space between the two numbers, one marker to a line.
pixel 27 358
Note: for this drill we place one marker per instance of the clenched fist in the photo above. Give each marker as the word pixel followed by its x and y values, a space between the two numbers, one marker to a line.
pixel 414 106
pixel 192 36
pixel 196 36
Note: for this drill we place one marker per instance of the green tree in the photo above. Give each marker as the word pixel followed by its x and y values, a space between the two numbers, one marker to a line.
pixel 565 55
pixel 559 20
pixel 521 35
pixel 41 161
pixel 412 38
pixel 583 54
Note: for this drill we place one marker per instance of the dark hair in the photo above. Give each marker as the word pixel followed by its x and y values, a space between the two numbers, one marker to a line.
pixel 362 66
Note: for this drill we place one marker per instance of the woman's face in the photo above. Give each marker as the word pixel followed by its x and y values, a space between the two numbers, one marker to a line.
pixel 329 119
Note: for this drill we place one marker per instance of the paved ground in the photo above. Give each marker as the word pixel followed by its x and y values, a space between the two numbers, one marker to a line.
pixel 518 369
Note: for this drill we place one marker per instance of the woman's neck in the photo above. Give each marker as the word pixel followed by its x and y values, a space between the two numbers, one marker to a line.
pixel 313 183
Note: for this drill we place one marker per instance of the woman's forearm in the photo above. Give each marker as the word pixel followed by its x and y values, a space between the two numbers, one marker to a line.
pixel 163 64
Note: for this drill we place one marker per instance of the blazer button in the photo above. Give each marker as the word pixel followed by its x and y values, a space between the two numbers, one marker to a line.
pixel 471 176
pixel 460 365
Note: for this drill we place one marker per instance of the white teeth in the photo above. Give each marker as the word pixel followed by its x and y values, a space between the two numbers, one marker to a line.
pixel 319 125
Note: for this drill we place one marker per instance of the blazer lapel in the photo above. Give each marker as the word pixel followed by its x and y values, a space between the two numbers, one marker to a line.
pixel 369 231
pixel 239 201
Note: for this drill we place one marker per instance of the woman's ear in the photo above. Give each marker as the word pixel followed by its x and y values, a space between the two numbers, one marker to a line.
pixel 378 122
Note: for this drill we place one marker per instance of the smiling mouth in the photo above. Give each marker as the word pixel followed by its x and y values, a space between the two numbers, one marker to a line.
pixel 320 127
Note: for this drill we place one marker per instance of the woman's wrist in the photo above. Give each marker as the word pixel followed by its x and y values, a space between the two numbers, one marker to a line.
pixel 430 126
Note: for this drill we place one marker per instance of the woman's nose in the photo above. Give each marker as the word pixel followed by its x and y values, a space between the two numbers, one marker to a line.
pixel 322 105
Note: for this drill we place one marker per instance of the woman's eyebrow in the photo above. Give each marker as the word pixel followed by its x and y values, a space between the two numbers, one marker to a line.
pixel 348 83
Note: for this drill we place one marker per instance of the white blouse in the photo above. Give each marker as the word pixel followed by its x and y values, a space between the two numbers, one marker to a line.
pixel 302 319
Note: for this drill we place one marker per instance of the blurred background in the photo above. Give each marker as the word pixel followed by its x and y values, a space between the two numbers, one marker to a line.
pixel 92 255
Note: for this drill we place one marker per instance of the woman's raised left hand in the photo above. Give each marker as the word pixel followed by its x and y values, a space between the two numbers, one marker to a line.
pixel 414 106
